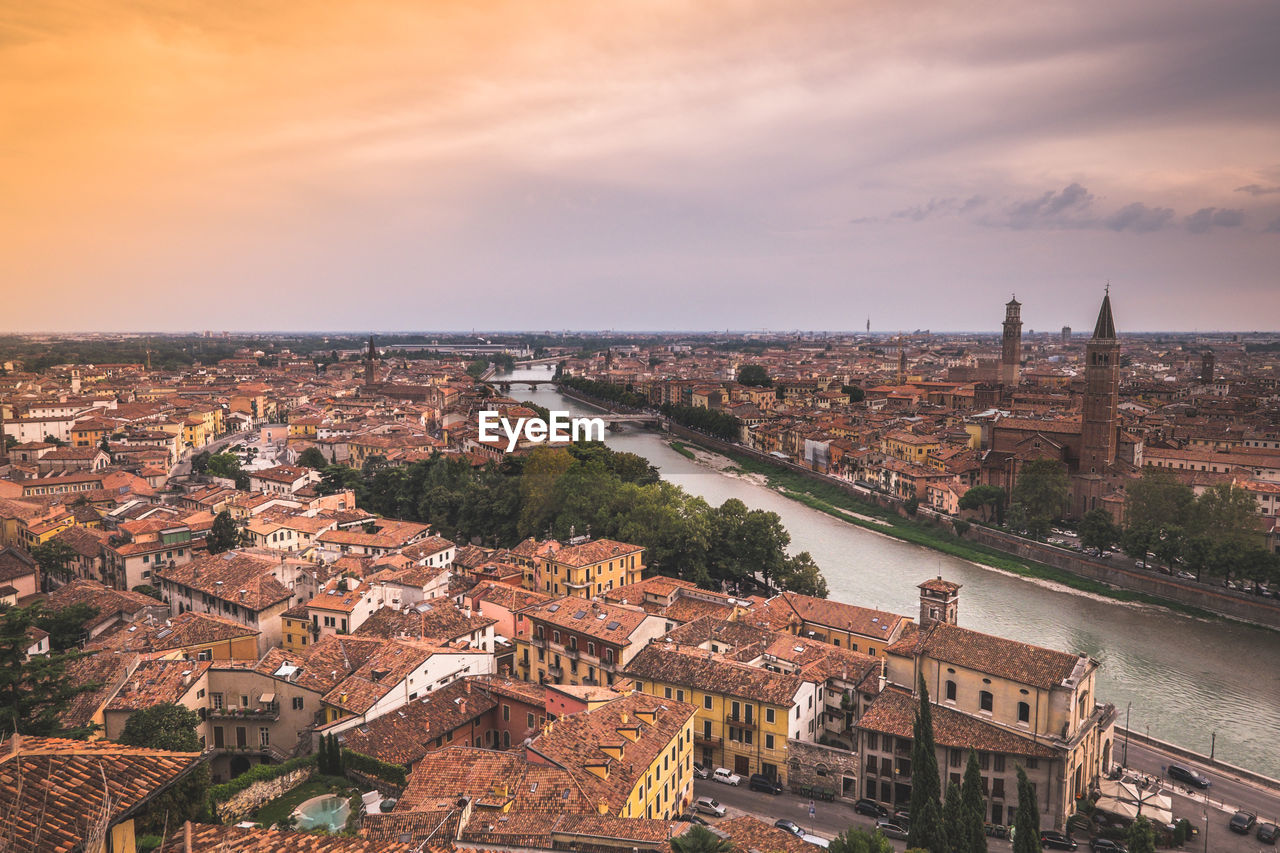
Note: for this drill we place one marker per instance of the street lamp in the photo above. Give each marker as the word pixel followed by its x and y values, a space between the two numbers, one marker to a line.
pixel 1125 761
pixel 1206 824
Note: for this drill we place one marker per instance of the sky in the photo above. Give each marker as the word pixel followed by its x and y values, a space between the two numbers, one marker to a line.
pixel 638 164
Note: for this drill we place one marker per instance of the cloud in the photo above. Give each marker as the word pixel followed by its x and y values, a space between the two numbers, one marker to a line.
pixel 939 207
pixel 1206 218
pixel 1139 218
pixel 1065 208
pixel 1257 189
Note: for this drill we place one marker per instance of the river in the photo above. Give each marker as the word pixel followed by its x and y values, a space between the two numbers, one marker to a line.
pixel 1183 678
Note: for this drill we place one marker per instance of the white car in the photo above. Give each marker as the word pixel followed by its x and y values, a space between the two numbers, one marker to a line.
pixel 706 805
pixel 816 840
pixel 723 774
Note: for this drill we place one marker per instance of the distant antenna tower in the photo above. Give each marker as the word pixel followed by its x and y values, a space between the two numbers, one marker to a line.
pixel 868 325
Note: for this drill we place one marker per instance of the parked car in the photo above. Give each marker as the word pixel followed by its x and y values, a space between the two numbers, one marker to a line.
pixel 902 818
pixel 1051 840
pixel 693 817
pixel 816 840
pixel 1186 575
pixel 1268 833
pixel 1242 822
pixel 870 808
pixel 1183 773
pixel 761 782
pixel 700 772
pixel 1106 845
pixel 790 826
pixel 889 829
pixel 728 777
pixel 706 805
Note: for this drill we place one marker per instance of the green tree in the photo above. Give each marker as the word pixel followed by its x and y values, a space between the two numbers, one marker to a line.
pixel 1155 505
pixel 926 811
pixel 1141 837
pixel 952 816
pixel 227 465
pixel 200 462
pixel 313 458
pixel 1026 820
pixel 857 840
pixel 35 690
pixel 912 505
pixel 699 839
pixel 50 438
pixel 973 836
pixel 223 534
pixel 149 590
pixel 168 726
pixel 754 375
pixel 801 574
pixel 989 500
pixel 171 728
pixel 1040 494
pixel 855 392
pixel 55 558
pixel 1097 530
pixel 66 627
pixel 105 446
pixel 543 467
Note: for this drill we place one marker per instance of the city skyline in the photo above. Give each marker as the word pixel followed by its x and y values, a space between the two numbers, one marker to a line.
pixel 678 166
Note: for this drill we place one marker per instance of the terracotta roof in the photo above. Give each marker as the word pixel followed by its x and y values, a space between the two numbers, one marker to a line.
pixel 156 682
pixel 748 834
pixel 108 601
pixel 893 712
pixel 492 778
pixel 184 631
pixel 50 788
pixel 439 620
pixel 405 735
pixel 590 553
pixel 1021 662
pixel 109 670
pixel 241 579
pixel 837 615
pixel 218 839
pixel 611 623
pixel 713 673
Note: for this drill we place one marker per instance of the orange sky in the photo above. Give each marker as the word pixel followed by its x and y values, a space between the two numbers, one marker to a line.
pixel 266 156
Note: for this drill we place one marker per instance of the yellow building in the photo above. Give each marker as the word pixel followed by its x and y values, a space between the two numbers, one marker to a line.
pixel 304 427
pixel 632 757
pixel 296 625
pixel 909 447
pixel 587 569
pixel 745 714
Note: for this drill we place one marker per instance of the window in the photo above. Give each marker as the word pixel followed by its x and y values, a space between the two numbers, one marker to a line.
pixel 984 761
pixel 1032 763
pixel 768 715
pixel 985 701
pixel 873 740
pixel 955 757
pixel 706 701
pixel 997 788
pixel 264 736
pixel 591 649
pixel 679 695
pixel 555 636
pixel 997 763
pixel 217 701
pixel 768 741
pixel 204 654
pixel 666 692
pixel 297 703
pixel 951 691
pixel 506 713
pixel 530 720
pixel 1024 712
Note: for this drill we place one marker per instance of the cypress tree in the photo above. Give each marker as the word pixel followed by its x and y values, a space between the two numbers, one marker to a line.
pixel 973 810
pixel 322 755
pixel 951 815
pixel 930 829
pixel 926 788
pixel 1026 820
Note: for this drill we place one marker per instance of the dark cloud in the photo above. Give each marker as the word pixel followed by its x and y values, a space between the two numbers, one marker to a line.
pixel 1207 218
pixel 1139 218
pixel 1065 208
pixel 1257 189
pixel 939 207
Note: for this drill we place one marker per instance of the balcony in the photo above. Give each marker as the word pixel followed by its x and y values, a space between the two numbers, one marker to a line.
pixel 571 652
pixel 268 712
pixel 539 642
pixel 555 671
pixel 707 740
pixel 745 722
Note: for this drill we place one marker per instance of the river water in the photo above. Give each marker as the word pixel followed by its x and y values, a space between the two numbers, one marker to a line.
pixel 1182 679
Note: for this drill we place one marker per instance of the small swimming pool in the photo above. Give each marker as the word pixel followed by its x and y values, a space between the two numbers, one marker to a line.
pixel 325 812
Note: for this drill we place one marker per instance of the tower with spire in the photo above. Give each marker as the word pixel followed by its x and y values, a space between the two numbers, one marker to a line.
pixel 371 364
pixel 1101 394
pixel 1011 344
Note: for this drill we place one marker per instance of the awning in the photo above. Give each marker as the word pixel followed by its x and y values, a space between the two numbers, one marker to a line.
pixel 267 698
pixel 1127 800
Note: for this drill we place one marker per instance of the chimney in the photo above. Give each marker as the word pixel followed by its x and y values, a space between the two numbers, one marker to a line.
pixel 186 837
pixel 462 705
pixel 468 684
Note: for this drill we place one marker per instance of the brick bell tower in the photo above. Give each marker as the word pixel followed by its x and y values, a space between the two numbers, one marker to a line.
pixel 1101 394
pixel 1011 349
pixel 939 601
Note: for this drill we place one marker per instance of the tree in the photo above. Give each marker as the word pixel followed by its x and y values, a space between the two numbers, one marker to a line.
pixel 149 590
pixel 105 446
pixel 1097 530
pixel 168 726
pixel 912 505
pixel 855 392
pixel 754 375
pixel 227 465
pixel 973 836
pixel 951 814
pixel 66 627
pixel 699 839
pixel 990 500
pixel 35 690
pixel 1155 504
pixel 1026 820
pixel 171 728
pixel 200 462
pixel 1142 837
pixel 801 574
pixel 55 558
pixel 856 840
pixel 926 811
pixel 223 534
pixel 1040 494
pixel 50 438
pixel 313 458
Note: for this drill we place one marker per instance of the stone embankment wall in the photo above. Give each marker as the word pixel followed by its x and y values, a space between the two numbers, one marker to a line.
pixel 246 802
